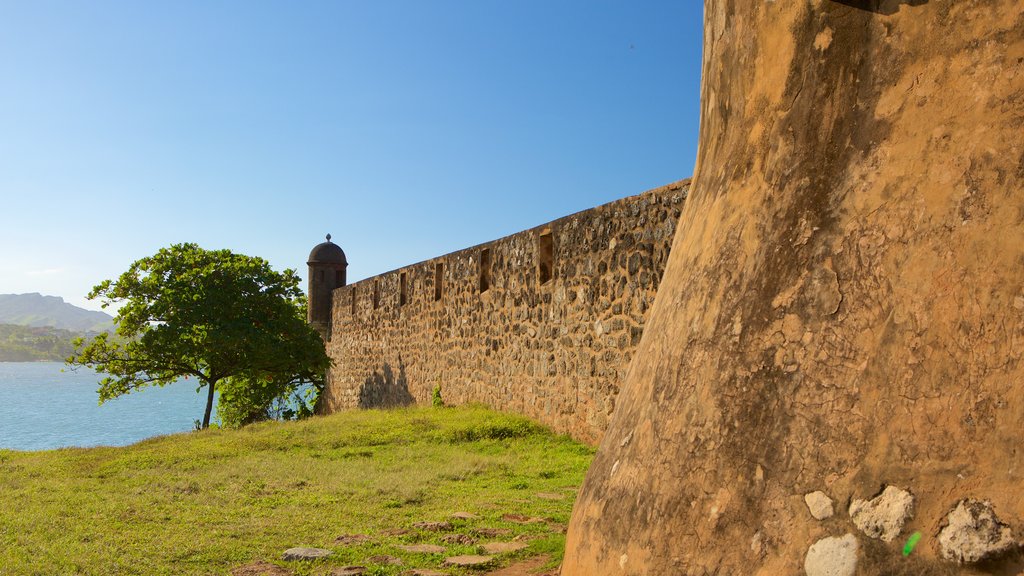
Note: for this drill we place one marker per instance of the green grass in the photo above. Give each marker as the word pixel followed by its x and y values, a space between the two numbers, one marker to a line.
pixel 208 502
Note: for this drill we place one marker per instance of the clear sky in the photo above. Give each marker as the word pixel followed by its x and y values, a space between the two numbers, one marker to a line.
pixel 406 129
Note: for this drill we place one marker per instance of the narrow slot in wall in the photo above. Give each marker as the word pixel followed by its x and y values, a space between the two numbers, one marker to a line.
pixel 545 257
pixel 438 281
pixel 485 269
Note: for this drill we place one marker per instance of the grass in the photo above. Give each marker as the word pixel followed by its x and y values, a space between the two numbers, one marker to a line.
pixel 210 502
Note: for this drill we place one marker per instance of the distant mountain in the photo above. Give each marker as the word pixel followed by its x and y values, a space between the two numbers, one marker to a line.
pixel 53 311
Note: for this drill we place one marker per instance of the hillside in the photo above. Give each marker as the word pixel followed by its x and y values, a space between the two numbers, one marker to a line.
pixel 33 344
pixel 38 310
pixel 367 485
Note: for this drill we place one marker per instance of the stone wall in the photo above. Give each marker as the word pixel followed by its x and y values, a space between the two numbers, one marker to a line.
pixel 842 310
pixel 543 322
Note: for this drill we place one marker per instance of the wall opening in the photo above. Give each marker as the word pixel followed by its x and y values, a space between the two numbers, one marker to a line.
pixel 376 294
pixel 485 269
pixel 339 278
pixel 402 293
pixel 438 280
pixel 353 300
pixel 545 257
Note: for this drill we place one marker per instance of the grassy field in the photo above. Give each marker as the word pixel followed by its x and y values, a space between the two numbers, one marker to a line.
pixel 211 502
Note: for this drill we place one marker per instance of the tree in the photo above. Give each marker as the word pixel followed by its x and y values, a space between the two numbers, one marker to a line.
pixel 208 314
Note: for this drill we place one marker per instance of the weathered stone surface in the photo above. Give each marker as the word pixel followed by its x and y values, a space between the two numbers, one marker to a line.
pixel 835 556
pixel 838 305
pixel 458 539
pixel 433 526
pixel 503 547
pixel 552 344
pixel 819 504
pixel 422 548
pixel 974 533
pixel 349 571
pixel 883 516
pixel 302 553
pixel 470 561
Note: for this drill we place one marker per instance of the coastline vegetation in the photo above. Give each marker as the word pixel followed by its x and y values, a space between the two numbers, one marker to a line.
pixel 213 501
pixel 35 344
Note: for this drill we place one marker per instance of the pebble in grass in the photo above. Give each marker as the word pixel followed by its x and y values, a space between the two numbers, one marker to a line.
pixel 503 547
pixel 385 560
pixel 492 532
pixel 349 571
pixel 306 553
pixel 458 539
pixel 468 561
pixel 349 539
pixel 422 548
pixel 433 526
pixel 521 519
pixel 260 569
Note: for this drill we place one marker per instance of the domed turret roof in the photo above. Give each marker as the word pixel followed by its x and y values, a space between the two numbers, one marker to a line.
pixel 327 253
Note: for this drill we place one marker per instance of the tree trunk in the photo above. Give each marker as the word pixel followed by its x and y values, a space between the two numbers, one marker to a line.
pixel 209 404
pixel 843 306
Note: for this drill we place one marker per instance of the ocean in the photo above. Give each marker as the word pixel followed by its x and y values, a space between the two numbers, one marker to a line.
pixel 45 405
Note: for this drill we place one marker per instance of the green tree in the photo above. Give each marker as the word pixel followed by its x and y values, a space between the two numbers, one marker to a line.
pixel 208 314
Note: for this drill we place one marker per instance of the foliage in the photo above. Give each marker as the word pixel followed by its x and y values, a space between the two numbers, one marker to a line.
pixel 243 402
pixel 435 397
pixel 31 344
pixel 208 314
pixel 210 502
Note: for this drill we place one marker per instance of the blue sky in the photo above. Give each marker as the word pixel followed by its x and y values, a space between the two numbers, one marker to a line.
pixel 406 129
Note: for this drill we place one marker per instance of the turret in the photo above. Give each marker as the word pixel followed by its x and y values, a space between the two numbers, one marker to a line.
pixel 327 267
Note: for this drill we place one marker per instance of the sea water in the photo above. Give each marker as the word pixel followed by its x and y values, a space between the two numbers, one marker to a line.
pixel 47 405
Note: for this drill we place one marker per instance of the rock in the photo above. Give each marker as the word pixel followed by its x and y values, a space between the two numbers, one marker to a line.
pixel 883 516
pixel 433 526
pixel 349 539
pixel 385 559
pixel 423 548
pixel 503 547
pixel 395 531
pixel 306 553
pixel 835 556
pixel 464 516
pixel 424 572
pixel 819 504
pixel 757 543
pixel 973 533
pixel 468 560
pixel 349 571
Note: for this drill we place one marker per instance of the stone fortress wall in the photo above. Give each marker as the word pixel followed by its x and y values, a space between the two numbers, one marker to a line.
pixel 543 322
